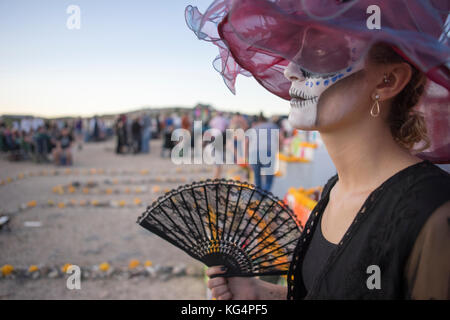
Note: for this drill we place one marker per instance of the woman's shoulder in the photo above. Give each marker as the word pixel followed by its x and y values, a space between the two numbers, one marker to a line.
pixel 424 178
pixel 427 168
pixel 419 190
pixel 419 181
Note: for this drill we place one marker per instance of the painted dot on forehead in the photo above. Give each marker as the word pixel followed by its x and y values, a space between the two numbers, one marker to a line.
pixel 349 69
pixel 317 83
pixel 326 82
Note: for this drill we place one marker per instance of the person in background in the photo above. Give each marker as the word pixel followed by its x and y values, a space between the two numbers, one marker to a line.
pixel 167 129
pixel 26 143
pixel 79 133
pixel 53 132
pixel 3 147
pixel 155 127
pixel 94 129
pixel 220 123
pixel 146 133
pixel 62 154
pixel 238 122
pixel 42 143
pixel 136 132
pixel 167 143
pixel 186 124
pixel 121 133
pixel 264 149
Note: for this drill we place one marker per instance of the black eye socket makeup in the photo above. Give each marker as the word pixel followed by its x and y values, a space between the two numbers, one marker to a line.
pixel 308 74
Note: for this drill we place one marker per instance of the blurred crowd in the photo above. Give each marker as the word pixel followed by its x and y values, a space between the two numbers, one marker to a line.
pixel 133 135
pixel 40 140
pixel 45 141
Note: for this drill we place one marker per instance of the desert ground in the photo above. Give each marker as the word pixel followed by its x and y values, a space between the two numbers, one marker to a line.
pixel 93 224
pixel 53 229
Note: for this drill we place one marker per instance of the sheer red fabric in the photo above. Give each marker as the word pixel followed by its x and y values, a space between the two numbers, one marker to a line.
pixel 260 38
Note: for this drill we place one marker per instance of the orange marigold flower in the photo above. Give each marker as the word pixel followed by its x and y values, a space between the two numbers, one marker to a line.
pixel 7 269
pixel 104 266
pixel 33 268
pixel 148 263
pixel 66 267
pixel 133 264
pixel 32 204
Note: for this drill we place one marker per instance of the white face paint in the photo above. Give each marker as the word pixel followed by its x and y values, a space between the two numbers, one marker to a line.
pixel 306 87
pixel 306 91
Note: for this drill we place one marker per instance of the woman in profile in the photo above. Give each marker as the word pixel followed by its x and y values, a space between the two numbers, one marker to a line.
pixel 380 229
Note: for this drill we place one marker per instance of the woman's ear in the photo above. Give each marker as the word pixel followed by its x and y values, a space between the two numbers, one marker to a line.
pixel 395 78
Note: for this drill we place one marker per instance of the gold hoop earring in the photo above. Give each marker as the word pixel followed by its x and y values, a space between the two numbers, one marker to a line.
pixel 375 110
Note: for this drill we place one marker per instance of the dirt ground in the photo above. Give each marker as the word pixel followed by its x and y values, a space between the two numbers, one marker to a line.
pixel 88 236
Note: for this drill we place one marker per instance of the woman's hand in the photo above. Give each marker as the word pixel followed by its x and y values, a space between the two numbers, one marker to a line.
pixel 236 288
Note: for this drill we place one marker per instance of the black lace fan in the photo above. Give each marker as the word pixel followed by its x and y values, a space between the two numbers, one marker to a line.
pixel 225 222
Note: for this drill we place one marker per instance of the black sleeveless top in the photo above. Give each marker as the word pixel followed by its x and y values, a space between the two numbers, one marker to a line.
pixel 382 234
pixel 317 254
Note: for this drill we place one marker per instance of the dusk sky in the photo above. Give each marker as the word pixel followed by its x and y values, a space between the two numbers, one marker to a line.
pixel 126 55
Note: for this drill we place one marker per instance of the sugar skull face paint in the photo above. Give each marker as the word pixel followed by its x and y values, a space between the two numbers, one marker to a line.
pixel 306 90
pixel 307 87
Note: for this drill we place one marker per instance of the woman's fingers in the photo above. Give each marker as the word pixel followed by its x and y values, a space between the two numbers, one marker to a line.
pixel 226 296
pixel 218 285
pixel 215 270
pixel 217 292
pixel 216 282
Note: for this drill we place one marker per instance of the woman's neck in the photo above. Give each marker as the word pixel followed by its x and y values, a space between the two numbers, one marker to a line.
pixel 365 155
